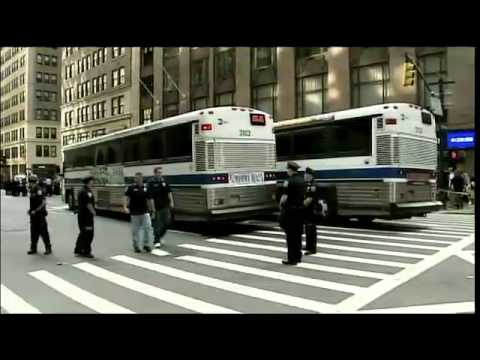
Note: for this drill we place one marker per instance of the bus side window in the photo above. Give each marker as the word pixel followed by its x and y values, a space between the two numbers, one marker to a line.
pixel 179 141
pixel 153 146
pixel 100 156
pixel 111 158
pixel 131 149
pixel 284 145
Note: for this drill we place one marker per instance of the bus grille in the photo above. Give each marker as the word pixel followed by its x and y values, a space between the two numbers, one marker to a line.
pixel 225 155
pixel 406 152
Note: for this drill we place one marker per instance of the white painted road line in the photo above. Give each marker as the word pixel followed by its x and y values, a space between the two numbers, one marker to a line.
pixel 79 295
pixel 319 255
pixel 14 304
pixel 340 247
pixel 452 308
pixel 336 286
pixel 159 252
pixel 267 295
pixel 274 260
pixel 152 291
pixel 467 256
pixel 421 232
pixel 380 288
pixel 374 242
pixel 444 226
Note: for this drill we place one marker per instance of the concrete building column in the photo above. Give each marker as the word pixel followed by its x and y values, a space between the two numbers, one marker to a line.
pixel 211 77
pixel 339 88
pixel 134 103
pixel 242 76
pixel 286 83
pixel 184 80
pixel 158 83
pixel 400 93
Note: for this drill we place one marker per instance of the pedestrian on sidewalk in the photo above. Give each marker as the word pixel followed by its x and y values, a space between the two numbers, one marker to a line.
pixel 86 214
pixel 136 203
pixel 292 203
pixel 458 186
pixel 471 191
pixel 38 218
pixel 161 205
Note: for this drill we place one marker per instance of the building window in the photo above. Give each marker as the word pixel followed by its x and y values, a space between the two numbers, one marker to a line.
pixel 122 75
pixel 39 95
pixel 225 64
pixel 46 151
pixel 22 79
pixel 45 114
pixel 46 59
pixel 54 61
pixel 200 72
pixel 305 52
pixel 170 110
pixel 370 85
pixel 53 151
pixel 53 78
pixel 38 132
pixel 38 150
pixel 118 51
pixel 99 132
pixel 14 152
pixel 22 153
pixel 21 115
pixel 39 77
pixel 46 78
pixel 22 133
pixel 224 99
pixel 312 95
pixel 39 59
pixel 22 97
pixel 53 115
pixel 263 57
pixel 46 133
pixel 434 68
pixel 200 103
pixel 265 98
pixel 147 115
pixel 118 105
pixel 82 137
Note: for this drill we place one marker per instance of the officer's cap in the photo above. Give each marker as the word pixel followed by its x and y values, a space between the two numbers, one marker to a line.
pixel 293 166
pixel 87 179
pixel 309 171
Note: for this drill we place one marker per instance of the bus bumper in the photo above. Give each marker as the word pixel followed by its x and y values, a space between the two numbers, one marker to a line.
pixel 414 209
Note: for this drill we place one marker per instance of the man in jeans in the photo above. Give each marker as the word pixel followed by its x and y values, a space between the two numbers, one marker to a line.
pixel 161 203
pixel 136 203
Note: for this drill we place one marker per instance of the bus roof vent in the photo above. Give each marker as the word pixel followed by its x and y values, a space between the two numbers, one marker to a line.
pixel 395 107
pixel 385 107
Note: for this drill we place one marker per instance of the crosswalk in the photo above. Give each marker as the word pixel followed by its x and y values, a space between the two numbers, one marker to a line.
pixel 242 273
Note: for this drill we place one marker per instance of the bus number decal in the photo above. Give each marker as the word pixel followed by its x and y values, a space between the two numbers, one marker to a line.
pixel 245 133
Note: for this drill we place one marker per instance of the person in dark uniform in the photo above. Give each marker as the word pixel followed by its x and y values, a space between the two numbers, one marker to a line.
pixel 137 204
pixel 86 213
pixel 292 203
pixel 310 221
pixel 161 205
pixel 38 221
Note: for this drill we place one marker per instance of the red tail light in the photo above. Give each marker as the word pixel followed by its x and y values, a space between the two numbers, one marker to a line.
pixel 206 127
pixel 390 121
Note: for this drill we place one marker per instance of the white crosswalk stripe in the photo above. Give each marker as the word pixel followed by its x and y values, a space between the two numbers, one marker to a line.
pixel 274 274
pixel 79 295
pixel 268 295
pixel 152 291
pixel 274 260
pixel 340 247
pixel 440 226
pixel 362 241
pixel 320 255
pixel 14 304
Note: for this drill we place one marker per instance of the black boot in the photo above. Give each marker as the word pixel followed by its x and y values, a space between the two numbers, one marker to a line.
pixel 32 251
pixel 48 250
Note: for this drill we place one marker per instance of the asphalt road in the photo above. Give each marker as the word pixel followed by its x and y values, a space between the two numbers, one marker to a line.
pixel 421 265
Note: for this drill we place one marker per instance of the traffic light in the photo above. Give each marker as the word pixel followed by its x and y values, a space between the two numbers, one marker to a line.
pixel 409 72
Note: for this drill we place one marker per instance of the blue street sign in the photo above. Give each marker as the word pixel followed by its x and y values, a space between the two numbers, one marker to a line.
pixel 461 139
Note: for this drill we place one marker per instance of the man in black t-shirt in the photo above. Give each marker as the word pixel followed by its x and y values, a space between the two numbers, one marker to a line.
pixel 86 212
pixel 38 221
pixel 161 203
pixel 136 203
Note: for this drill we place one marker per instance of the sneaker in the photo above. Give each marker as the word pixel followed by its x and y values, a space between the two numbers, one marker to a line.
pixel 147 249
pixel 48 251
pixel 31 252
pixel 157 245
pixel 90 256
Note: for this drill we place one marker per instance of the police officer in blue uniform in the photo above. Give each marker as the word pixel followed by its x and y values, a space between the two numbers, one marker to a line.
pixel 310 203
pixel 86 213
pixel 38 215
pixel 293 207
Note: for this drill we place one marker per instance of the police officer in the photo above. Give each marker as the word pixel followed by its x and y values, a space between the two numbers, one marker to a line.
pixel 161 205
pixel 38 221
pixel 86 212
pixel 136 203
pixel 310 202
pixel 292 203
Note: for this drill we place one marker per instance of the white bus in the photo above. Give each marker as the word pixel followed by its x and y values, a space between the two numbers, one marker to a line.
pixel 373 162
pixel 219 162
